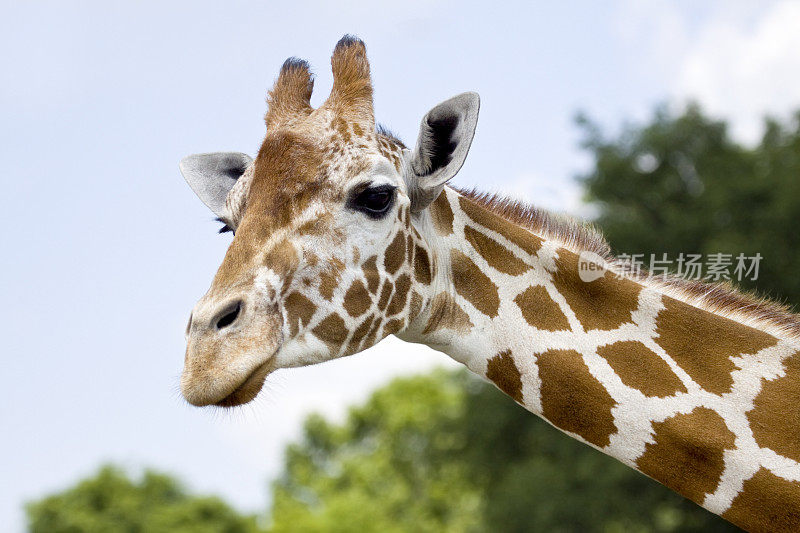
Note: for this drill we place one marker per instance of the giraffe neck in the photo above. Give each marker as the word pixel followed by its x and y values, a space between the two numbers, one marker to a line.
pixel 705 405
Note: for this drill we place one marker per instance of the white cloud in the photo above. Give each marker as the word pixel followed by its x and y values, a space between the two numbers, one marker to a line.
pixel 740 60
pixel 743 69
pixel 659 26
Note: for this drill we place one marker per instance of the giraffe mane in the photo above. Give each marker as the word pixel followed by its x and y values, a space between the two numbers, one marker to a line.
pixel 572 233
pixel 720 298
pixel 389 135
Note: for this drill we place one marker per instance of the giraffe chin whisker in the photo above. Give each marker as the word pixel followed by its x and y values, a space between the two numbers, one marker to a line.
pixel 249 388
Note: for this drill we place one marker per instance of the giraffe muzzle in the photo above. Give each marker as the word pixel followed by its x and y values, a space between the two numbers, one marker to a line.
pixel 230 349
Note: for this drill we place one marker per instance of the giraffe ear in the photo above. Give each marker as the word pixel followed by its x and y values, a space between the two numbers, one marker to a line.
pixel 445 136
pixel 212 176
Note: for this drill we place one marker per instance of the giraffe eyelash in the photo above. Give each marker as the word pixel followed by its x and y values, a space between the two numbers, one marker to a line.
pixel 225 227
pixel 375 202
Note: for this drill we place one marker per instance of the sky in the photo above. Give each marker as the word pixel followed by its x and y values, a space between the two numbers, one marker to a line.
pixel 105 249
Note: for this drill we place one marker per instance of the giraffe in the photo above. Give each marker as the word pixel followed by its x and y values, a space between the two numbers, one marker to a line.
pixel 343 236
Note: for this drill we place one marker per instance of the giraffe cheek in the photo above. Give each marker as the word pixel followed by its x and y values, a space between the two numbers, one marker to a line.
pixel 357 299
pixel 395 253
pixel 299 310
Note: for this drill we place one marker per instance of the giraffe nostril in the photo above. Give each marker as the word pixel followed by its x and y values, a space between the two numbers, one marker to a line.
pixel 229 315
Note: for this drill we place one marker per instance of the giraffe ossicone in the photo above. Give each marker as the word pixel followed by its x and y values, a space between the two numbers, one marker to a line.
pixel 343 236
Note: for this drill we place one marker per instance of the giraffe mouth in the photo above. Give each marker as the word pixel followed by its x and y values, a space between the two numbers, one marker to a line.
pixel 248 389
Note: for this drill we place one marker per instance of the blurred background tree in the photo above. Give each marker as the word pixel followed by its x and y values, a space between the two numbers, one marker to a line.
pixel 681 184
pixel 110 502
pixel 396 464
pixel 448 452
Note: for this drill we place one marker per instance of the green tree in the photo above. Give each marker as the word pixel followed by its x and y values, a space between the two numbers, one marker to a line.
pixel 392 466
pixel 111 502
pixel 681 184
pixel 448 452
pixel 534 478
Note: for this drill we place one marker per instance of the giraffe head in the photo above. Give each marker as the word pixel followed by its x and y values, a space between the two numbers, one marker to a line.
pixel 329 254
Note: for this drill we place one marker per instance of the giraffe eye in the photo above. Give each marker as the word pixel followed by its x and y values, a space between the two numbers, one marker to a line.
pixel 374 202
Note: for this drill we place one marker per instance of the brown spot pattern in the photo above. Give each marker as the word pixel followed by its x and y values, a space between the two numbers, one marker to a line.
pixel 317 226
pixel 359 333
pixel 357 299
pixel 373 332
pixel 341 127
pixel 605 303
pixel 299 311
pixel 310 258
pixel 447 314
pixel 702 343
pixel 523 238
pixel 687 455
pixel 640 368
pixel 442 215
pixel 398 302
pixel 362 328
pixel 572 399
pixel 282 258
pixel 775 419
pixel 422 266
pixel 286 282
pixel 393 326
pixel 385 293
pixel 766 503
pixel 416 305
pixel 475 286
pixel 505 374
pixel 395 253
pixel 540 311
pixel 370 269
pixel 329 278
pixel 332 330
pixel 494 253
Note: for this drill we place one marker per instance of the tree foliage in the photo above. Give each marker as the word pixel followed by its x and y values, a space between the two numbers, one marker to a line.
pixel 390 467
pixel 681 184
pixel 448 452
pixel 111 502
